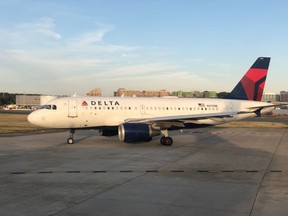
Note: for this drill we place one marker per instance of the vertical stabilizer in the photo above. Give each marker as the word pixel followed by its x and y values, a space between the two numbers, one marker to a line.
pixel 252 84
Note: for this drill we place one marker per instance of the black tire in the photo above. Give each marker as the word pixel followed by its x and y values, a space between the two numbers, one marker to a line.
pixel 162 140
pixel 167 141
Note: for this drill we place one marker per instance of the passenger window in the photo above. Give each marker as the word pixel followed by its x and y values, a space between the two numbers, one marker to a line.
pixel 54 107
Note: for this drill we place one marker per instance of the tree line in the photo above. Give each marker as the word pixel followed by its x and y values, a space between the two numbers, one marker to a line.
pixel 7 98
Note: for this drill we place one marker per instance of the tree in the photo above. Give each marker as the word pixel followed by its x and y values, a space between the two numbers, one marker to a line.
pixel 222 94
pixel 7 98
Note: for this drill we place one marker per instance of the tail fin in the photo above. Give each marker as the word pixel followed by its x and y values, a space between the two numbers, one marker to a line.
pixel 252 84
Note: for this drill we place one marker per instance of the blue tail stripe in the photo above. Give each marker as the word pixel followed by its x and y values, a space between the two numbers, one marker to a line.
pixel 237 93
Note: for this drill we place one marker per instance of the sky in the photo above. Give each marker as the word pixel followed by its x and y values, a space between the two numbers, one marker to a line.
pixel 62 47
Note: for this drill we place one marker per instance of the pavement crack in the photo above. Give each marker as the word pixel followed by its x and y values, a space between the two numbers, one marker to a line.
pixel 265 173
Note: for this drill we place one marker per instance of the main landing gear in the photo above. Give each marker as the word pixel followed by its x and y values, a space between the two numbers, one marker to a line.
pixel 70 140
pixel 165 139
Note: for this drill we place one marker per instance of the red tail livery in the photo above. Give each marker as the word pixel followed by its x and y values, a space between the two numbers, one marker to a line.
pixel 252 83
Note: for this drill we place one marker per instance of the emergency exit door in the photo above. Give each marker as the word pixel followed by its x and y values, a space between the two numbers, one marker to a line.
pixel 229 107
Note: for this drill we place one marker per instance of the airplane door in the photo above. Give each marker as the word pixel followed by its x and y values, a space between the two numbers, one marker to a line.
pixel 72 108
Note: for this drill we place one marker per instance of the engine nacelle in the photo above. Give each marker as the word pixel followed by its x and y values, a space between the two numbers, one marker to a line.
pixel 132 132
pixel 108 132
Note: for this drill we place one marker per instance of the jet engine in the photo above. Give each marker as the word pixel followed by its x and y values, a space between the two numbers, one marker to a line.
pixel 108 131
pixel 133 132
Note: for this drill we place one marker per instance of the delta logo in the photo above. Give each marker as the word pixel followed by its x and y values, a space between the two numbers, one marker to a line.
pixel 84 103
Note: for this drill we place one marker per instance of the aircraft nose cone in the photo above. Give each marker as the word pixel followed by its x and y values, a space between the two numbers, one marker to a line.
pixel 32 118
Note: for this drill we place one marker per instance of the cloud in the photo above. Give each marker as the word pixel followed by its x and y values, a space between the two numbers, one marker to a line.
pixel 44 26
pixel 92 37
pixel 38 34
pixel 39 59
pixel 155 75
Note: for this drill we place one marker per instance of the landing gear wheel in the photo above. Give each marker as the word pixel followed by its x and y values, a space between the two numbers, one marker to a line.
pixel 162 140
pixel 167 141
pixel 70 140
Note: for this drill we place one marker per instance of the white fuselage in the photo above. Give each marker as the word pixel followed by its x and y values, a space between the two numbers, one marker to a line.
pixel 87 112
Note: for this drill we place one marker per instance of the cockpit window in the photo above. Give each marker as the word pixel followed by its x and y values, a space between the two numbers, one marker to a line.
pixel 49 107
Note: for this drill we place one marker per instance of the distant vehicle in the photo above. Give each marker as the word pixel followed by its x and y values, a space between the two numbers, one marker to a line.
pixel 140 119
pixel 10 107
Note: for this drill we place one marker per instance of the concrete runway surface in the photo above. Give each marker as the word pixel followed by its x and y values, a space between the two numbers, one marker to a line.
pixel 210 171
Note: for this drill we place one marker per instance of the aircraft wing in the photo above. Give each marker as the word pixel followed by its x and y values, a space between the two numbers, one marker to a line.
pixel 179 120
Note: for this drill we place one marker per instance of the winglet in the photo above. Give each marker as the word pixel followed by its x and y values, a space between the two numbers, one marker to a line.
pixel 252 84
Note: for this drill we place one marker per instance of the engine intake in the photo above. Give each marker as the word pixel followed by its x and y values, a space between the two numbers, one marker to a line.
pixel 133 132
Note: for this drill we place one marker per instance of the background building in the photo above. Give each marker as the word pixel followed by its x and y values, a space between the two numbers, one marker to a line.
pixel 32 101
pixel 210 94
pixel 195 94
pixel 284 96
pixel 270 97
pixel 95 92
pixel 182 94
pixel 145 93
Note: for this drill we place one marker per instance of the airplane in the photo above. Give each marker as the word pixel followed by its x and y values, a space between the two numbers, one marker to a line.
pixel 137 119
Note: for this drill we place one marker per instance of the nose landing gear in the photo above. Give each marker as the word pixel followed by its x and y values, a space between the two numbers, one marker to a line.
pixel 70 140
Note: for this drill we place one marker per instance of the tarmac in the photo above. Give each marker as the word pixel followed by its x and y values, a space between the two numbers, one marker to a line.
pixel 207 171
